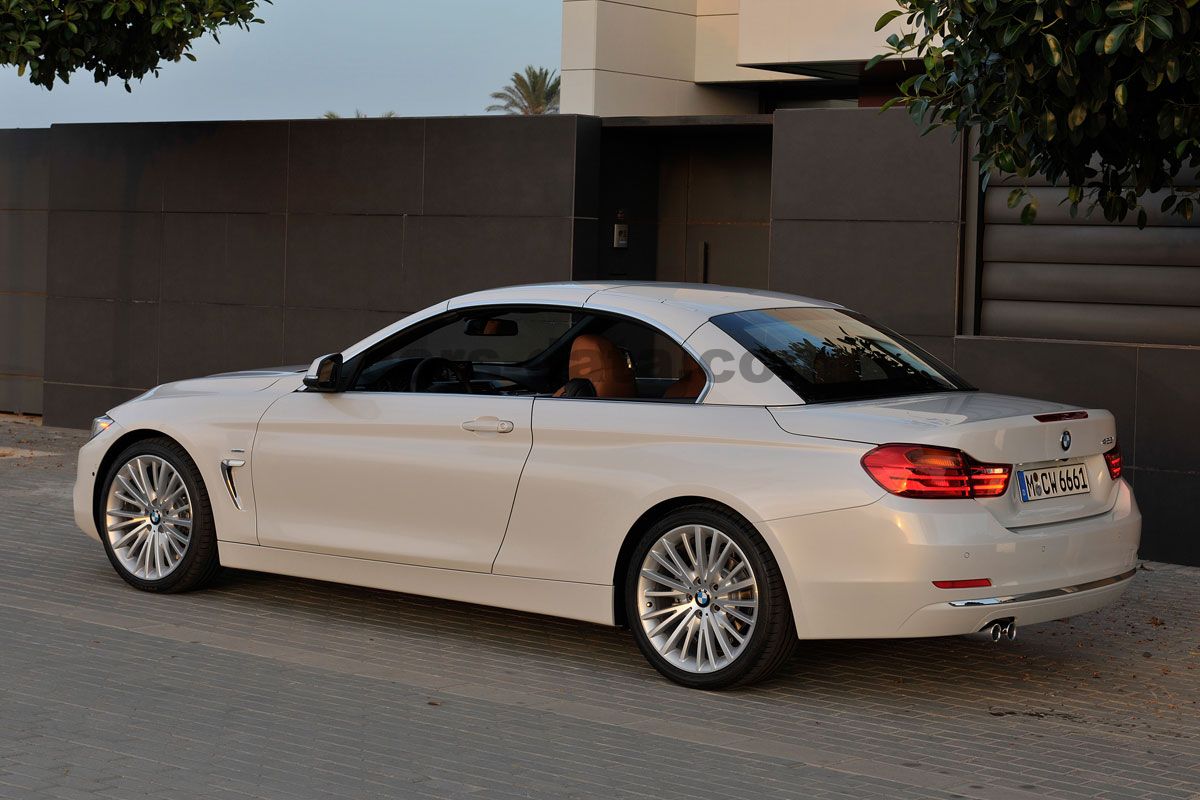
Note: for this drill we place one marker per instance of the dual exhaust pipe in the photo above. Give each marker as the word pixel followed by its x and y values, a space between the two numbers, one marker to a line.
pixel 1001 630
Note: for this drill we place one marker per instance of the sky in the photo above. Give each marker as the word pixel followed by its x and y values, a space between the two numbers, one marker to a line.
pixel 414 57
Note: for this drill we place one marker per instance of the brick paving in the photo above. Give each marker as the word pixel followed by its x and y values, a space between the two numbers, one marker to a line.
pixel 270 687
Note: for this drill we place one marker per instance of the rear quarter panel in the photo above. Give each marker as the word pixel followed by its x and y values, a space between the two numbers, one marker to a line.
pixel 597 465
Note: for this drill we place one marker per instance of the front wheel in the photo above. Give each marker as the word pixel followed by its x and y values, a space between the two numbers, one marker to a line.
pixel 155 519
pixel 706 600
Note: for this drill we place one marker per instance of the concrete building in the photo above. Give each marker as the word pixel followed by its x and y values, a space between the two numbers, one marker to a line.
pixel 692 57
pixel 136 254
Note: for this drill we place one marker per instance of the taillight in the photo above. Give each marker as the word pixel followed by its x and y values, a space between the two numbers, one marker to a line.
pixel 969 583
pixel 1113 459
pixel 915 470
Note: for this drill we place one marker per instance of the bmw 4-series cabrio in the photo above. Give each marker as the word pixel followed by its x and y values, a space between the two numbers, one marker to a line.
pixel 724 471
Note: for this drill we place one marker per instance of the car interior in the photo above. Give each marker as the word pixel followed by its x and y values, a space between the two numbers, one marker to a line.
pixel 536 351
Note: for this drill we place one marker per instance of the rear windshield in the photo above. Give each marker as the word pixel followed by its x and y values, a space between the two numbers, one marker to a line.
pixel 827 354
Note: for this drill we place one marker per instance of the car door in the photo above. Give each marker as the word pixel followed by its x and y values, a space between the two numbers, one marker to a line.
pixel 597 456
pixel 390 477
pixel 416 477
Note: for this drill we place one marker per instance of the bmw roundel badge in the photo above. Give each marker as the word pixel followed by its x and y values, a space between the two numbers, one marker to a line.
pixel 1066 440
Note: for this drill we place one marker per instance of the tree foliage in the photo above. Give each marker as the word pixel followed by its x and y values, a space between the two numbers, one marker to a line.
pixel 1100 96
pixel 534 92
pixel 124 39
pixel 357 115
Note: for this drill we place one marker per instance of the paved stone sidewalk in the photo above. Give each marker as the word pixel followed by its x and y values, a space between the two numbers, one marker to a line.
pixel 280 688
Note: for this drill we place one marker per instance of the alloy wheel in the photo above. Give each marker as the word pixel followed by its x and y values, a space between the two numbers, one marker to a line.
pixel 148 517
pixel 697 598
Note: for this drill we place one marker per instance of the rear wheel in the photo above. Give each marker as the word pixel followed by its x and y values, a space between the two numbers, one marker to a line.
pixel 155 519
pixel 706 600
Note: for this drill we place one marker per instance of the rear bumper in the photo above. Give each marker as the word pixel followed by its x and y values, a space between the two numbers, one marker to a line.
pixel 868 572
pixel 1030 608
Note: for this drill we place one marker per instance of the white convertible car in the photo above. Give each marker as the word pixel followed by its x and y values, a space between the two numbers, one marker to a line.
pixel 724 471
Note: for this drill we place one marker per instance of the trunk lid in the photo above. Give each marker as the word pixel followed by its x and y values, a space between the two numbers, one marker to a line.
pixel 990 428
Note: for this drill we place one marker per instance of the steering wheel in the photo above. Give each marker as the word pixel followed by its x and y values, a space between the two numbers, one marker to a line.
pixel 430 368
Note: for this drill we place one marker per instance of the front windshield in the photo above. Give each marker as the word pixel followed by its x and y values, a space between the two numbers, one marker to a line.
pixel 827 354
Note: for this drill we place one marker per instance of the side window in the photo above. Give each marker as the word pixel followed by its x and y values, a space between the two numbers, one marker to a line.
pixel 534 351
pixel 477 351
pixel 651 354
pixel 624 359
pixel 491 338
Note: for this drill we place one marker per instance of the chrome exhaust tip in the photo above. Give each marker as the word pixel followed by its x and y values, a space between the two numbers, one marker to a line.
pixel 1010 631
pixel 996 631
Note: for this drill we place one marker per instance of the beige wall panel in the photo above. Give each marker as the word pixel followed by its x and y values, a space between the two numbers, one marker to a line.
pixel 693 99
pixel 673 6
pixel 717 53
pixel 706 7
pixel 578 92
pixel 579 35
pixel 619 95
pixel 799 31
pixel 764 27
pixel 643 41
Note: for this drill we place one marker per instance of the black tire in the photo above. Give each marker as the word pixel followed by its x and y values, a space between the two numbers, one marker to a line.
pixel 199 563
pixel 773 638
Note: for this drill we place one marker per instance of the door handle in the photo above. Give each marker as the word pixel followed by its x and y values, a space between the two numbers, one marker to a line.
pixel 488 425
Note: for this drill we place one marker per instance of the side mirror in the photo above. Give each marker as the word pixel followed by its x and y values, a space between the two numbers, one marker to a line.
pixel 325 373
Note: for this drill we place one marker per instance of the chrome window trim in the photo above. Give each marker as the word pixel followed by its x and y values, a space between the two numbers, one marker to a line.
pixel 1045 594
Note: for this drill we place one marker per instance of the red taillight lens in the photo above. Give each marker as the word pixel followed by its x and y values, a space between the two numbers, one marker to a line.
pixel 969 583
pixel 988 480
pixel 1113 459
pixel 914 470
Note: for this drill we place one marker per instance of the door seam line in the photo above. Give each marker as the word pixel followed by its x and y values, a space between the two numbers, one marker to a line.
pixel 516 491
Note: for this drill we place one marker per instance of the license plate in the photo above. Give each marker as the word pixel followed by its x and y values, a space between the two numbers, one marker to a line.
pixel 1048 482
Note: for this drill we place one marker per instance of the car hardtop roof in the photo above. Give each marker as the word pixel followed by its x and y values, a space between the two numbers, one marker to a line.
pixel 678 305
pixel 677 309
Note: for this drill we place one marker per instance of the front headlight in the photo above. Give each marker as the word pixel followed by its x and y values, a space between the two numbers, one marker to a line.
pixel 101 424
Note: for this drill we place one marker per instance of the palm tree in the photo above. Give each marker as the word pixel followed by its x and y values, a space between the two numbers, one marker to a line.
pixel 535 92
pixel 357 114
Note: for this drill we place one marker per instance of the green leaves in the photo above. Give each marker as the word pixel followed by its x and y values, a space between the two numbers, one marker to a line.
pixel 1077 116
pixel 1029 213
pixel 48 40
pixel 1112 42
pixel 1052 50
pixel 1047 126
pixel 1100 97
pixel 886 18
pixel 1160 27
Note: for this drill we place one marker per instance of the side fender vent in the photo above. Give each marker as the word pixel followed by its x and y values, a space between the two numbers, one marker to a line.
pixel 227 468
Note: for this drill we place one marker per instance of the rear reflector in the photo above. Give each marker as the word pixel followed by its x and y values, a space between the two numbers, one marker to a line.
pixel 1061 416
pixel 970 583
pixel 1113 459
pixel 914 470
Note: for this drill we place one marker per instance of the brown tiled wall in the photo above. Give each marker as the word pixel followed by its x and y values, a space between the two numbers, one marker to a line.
pixel 184 249
pixel 23 204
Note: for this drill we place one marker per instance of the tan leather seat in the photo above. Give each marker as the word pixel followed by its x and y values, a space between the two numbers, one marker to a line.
pixel 598 360
pixel 690 382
